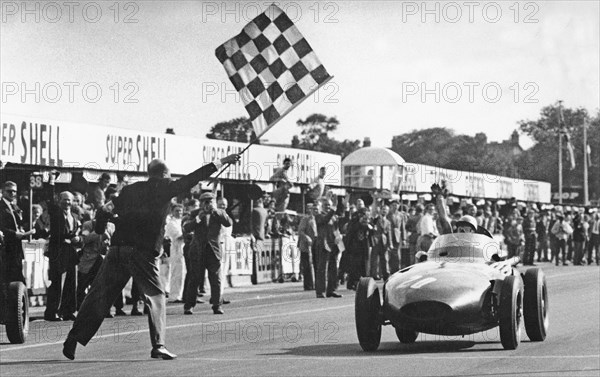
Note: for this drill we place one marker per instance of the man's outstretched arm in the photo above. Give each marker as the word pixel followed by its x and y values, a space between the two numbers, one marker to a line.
pixel 187 182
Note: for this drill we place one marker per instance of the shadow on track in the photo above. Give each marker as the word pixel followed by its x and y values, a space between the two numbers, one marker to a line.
pixel 389 348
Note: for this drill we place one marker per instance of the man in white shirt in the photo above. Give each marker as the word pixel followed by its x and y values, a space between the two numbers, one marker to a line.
pixel 427 228
pixel 562 230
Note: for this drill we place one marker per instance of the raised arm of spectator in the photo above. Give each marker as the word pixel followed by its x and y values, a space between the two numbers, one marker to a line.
pixel 323 219
pixel 444 218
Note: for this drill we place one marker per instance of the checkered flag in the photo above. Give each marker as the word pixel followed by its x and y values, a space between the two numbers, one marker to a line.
pixel 272 66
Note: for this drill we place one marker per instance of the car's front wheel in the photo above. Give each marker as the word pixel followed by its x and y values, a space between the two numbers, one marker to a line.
pixel 535 304
pixel 367 306
pixel 510 312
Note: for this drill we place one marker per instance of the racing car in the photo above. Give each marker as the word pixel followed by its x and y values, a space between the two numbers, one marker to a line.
pixel 14 303
pixel 462 286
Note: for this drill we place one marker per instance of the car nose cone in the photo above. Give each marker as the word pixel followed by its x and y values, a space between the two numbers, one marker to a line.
pixel 439 292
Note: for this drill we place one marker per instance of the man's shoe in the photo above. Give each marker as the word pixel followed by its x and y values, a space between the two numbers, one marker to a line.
pixel 120 313
pixel 198 301
pixel 225 302
pixel 136 312
pixel 218 310
pixel 69 317
pixel 69 347
pixel 333 294
pixel 188 311
pixel 320 295
pixel 162 353
pixel 52 318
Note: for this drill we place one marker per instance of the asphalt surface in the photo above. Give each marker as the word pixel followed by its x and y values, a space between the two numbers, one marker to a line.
pixel 278 329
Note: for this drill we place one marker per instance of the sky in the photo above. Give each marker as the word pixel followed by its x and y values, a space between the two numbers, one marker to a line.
pixel 397 65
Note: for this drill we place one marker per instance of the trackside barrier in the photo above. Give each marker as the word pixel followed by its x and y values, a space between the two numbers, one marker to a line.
pixel 35 270
pixel 276 259
pixel 263 270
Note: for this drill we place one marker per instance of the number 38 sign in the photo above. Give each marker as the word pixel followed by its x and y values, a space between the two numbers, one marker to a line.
pixel 36 181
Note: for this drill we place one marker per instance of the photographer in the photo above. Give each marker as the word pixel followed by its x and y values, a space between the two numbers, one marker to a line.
pixel 205 252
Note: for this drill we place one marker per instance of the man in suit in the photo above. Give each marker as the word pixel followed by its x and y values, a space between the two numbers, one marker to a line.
pixel 65 239
pixel 307 235
pixel 382 242
pixel 11 223
pixel 327 251
pixel 398 235
pixel 139 214
pixel 205 252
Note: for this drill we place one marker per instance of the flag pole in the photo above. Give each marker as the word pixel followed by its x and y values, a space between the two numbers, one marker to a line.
pixel 585 165
pixel 560 137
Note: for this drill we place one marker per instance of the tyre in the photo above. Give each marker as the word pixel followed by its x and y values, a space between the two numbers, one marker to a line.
pixel 510 312
pixel 367 306
pixel 17 317
pixel 406 336
pixel 535 304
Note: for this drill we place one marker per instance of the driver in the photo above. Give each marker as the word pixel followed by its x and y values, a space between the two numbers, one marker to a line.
pixel 466 224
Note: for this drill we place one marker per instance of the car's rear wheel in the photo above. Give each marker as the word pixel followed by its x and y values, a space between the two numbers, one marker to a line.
pixel 510 312
pixel 406 336
pixel 367 306
pixel 17 316
pixel 535 304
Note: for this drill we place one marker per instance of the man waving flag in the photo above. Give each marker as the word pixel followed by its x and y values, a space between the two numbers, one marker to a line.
pixel 272 66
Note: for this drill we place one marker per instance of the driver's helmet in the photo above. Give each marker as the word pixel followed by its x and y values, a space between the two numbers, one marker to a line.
pixel 467 220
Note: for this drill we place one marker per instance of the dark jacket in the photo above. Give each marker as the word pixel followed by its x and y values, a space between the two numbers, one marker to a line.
pixel 13 246
pixel 358 239
pixel 327 224
pixel 206 236
pixel 142 208
pixel 62 253
pixel 11 254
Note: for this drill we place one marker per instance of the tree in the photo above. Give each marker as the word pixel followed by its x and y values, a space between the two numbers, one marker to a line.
pixel 440 147
pixel 233 130
pixel 315 136
pixel 541 161
pixel 316 126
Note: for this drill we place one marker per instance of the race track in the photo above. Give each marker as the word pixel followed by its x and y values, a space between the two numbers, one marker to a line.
pixel 278 329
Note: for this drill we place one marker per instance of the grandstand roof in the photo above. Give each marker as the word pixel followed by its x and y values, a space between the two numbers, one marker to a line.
pixel 373 156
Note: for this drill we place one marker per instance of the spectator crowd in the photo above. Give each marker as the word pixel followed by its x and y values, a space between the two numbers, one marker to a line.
pixel 340 240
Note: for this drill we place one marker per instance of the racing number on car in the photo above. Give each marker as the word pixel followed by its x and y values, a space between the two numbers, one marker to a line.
pixel 423 282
